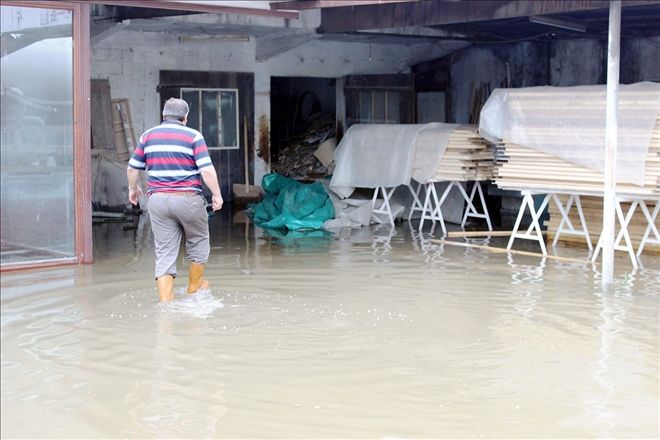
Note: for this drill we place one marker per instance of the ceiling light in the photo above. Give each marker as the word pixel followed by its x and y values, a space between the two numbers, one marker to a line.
pixel 560 23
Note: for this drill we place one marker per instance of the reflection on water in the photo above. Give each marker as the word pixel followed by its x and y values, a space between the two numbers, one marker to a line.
pixel 292 242
pixel 371 332
pixel 167 404
pixel 527 283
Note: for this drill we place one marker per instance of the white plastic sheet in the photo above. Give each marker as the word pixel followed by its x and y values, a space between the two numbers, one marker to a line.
pixel 389 155
pixel 430 146
pixel 569 123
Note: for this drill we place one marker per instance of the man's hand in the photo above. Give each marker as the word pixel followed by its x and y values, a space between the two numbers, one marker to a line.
pixel 217 202
pixel 134 194
pixel 134 190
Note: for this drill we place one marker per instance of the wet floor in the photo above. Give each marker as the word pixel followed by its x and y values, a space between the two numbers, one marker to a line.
pixel 359 333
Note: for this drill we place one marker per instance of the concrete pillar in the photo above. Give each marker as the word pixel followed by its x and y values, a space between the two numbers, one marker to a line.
pixel 261 123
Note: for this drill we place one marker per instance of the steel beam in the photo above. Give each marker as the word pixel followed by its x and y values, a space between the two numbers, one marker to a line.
pixel 611 140
pixel 321 4
pixel 436 12
pixel 197 7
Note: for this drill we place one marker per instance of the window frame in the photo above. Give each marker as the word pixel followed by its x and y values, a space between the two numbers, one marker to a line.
pixel 82 173
pixel 372 105
pixel 219 90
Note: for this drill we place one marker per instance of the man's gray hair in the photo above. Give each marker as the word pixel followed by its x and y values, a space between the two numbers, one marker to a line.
pixel 175 108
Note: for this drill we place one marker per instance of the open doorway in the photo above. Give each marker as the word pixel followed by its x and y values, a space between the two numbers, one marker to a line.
pixel 303 115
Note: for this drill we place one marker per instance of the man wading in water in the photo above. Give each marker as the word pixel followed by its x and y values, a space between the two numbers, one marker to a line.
pixel 175 156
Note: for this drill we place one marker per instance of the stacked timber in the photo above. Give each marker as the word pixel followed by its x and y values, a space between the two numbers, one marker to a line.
pixel 593 213
pixel 526 168
pixel 552 140
pixel 468 157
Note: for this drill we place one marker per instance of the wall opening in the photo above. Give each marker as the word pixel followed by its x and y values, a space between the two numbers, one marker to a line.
pixel 303 116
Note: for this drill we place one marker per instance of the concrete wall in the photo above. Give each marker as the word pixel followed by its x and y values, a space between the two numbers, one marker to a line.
pixel 131 60
pixel 577 62
pixel 640 60
pixel 558 63
pixel 526 64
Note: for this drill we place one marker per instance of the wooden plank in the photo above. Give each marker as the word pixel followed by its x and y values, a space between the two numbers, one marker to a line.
pixel 497 250
pixel 101 114
pixel 120 141
pixel 454 234
pixel 124 112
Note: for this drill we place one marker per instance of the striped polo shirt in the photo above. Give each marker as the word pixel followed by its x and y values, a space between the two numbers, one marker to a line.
pixel 172 154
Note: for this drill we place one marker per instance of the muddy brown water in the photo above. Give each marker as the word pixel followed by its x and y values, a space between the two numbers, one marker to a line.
pixel 366 333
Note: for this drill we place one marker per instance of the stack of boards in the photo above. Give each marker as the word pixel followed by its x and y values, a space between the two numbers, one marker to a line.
pixel 468 157
pixel 593 214
pixel 524 168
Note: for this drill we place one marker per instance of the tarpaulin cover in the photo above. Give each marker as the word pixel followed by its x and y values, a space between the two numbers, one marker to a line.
pixel 569 123
pixel 290 204
pixel 388 155
pixel 430 146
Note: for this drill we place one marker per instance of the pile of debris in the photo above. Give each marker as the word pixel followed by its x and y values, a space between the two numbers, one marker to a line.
pixel 310 155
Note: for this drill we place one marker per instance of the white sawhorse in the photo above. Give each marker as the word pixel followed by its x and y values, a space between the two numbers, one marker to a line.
pixel 416 204
pixel 432 209
pixel 534 230
pixel 624 221
pixel 565 225
pixel 385 208
pixel 650 218
pixel 470 210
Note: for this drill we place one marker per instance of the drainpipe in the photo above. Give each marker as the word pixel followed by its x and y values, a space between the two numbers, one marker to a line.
pixel 611 140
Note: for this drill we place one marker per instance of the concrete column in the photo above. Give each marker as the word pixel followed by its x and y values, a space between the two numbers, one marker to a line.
pixel 261 123
pixel 340 107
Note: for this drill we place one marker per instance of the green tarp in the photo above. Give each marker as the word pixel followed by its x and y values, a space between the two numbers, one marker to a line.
pixel 290 204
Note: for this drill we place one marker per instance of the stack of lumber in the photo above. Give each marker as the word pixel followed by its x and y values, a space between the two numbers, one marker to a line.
pixel 468 157
pixel 593 213
pixel 526 168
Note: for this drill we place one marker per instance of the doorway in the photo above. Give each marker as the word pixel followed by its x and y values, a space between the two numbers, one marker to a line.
pixel 300 107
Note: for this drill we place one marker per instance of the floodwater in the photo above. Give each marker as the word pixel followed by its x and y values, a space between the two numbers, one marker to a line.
pixel 366 333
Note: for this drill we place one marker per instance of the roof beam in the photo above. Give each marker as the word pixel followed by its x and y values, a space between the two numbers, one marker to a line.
pixel 198 7
pixel 269 46
pixel 320 4
pixel 436 13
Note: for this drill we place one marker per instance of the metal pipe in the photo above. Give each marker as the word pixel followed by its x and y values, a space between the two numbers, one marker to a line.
pixel 611 140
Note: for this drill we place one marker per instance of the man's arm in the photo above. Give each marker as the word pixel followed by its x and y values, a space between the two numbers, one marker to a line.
pixel 134 190
pixel 210 178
